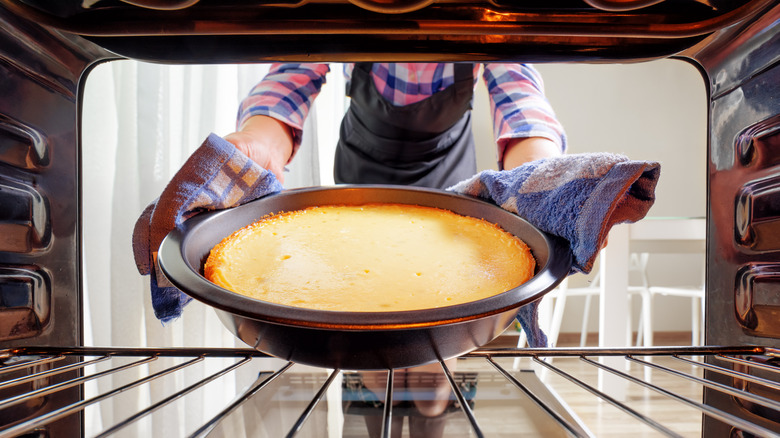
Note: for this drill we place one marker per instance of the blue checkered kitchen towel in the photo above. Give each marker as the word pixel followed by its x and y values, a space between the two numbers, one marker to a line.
pixel 215 176
pixel 577 197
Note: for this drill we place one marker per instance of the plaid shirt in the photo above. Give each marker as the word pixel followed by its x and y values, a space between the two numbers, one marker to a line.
pixel 517 100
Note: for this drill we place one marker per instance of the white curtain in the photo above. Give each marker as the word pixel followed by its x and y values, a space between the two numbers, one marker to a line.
pixel 140 123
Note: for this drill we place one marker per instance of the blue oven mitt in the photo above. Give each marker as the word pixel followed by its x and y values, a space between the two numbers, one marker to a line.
pixel 216 176
pixel 578 197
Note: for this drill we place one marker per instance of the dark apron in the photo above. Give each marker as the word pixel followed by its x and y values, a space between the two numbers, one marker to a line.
pixel 428 143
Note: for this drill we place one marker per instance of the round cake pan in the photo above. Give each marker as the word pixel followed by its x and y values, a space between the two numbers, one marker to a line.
pixel 358 340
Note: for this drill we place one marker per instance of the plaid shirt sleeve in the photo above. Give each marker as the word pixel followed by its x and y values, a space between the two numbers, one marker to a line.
pixel 286 93
pixel 519 106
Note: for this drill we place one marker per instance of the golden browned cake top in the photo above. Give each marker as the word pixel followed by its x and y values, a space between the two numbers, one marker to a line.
pixel 377 257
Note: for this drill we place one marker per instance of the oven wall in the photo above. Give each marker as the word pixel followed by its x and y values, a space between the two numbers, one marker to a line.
pixel 744 190
pixel 40 299
pixel 743 236
pixel 39 220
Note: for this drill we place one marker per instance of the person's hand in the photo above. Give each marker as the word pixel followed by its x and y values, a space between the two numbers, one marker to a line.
pixel 267 141
pixel 519 151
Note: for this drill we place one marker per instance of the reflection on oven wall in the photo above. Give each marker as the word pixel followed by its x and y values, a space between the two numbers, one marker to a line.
pixel 141 121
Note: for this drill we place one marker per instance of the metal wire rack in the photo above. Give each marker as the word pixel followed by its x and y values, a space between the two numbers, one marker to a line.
pixel 41 387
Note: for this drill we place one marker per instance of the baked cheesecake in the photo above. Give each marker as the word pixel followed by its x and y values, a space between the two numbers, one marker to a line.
pixel 370 258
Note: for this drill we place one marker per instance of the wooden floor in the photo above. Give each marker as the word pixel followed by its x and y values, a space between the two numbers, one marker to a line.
pixel 605 420
pixel 503 410
pixel 601 418
pixel 509 339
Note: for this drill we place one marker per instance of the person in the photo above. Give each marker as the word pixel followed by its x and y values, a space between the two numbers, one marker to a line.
pixel 407 123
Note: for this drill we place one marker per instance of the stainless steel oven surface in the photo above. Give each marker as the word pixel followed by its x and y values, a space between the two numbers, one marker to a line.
pixel 53 382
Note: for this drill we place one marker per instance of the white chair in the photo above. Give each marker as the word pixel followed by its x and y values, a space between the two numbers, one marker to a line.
pixel 694 293
pixel 560 295
pixel 664 237
pixel 639 286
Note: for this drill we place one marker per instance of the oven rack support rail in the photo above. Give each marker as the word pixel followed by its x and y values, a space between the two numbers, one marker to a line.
pixel 20 366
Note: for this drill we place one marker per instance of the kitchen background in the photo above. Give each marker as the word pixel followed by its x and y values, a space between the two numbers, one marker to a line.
pixel 141 121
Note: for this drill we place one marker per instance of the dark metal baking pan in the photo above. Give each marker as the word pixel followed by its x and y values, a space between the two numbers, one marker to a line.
pixel 358 340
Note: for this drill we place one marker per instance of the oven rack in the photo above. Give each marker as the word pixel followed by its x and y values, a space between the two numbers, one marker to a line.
pixel 742 367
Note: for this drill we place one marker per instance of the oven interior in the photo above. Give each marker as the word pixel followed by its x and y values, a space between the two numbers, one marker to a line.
pixel 727 388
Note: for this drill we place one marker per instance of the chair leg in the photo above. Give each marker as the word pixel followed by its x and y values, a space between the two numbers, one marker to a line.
pixel 557 319
pixel 647 318
pixel 696 321
pixel 640 331
pixel 701 321
pixel 521 341
pixel 584 327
